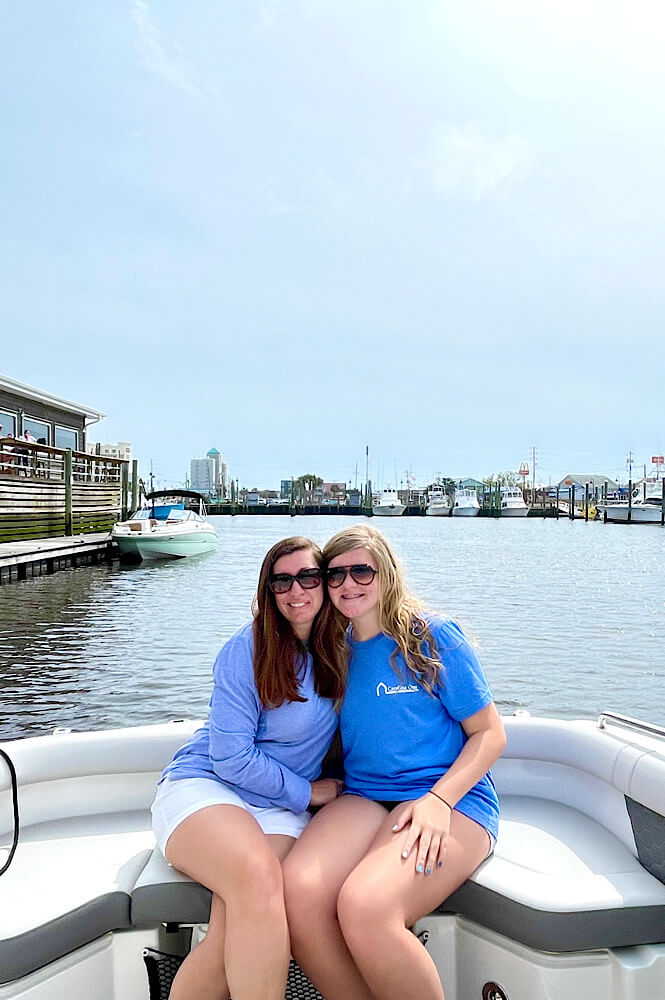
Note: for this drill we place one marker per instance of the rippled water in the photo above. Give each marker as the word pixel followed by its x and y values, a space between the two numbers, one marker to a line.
pixel 568 619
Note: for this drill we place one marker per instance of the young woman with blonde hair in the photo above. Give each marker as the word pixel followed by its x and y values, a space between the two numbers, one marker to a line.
pixel 231 804
pixel 420 812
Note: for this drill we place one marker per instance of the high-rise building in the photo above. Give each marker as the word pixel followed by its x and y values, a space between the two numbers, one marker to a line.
pixel 210 475
pixel 202 475
pixel 216 459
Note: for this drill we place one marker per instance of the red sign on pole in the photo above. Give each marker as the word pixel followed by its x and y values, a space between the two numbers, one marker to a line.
pixel 658 459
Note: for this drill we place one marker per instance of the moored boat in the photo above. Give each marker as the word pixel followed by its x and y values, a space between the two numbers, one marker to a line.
pixel 172 528
pixel 571 903
pixel 465 503
pixel 438 503
pixel 646 506
pixel 512 502
pixel 388 504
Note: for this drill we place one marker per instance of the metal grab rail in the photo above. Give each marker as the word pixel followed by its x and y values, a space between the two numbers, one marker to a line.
pixel 629 723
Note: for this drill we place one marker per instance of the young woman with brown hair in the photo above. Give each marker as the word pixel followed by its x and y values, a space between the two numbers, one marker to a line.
pixel 419 813
pixel 232 802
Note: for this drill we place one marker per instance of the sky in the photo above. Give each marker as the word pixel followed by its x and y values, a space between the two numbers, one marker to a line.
pixel 294 230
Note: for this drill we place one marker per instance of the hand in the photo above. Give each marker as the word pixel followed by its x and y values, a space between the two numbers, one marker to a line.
pixel 428 821
pixel 325 790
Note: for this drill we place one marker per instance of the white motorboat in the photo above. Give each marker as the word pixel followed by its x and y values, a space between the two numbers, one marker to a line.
pixel 570 904
pixel 512 502
pixel 388 504
pixel 646 505
pixel 465 503
pixel 168 529
pixel 438 503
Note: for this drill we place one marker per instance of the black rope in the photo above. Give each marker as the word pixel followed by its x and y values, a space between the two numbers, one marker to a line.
pixel 12 850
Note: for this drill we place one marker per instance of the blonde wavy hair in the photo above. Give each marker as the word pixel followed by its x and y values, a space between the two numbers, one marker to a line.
pixel 401 615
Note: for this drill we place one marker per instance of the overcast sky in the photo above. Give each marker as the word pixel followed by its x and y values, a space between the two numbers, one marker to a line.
pixel 293 229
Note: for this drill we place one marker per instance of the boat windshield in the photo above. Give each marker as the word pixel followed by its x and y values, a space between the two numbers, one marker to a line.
pixel 181 515
pixel 158 513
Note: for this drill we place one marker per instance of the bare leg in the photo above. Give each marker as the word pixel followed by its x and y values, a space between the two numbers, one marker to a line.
pixel 384 896
pixel 247 946
pixel 202 974
pixel 332 845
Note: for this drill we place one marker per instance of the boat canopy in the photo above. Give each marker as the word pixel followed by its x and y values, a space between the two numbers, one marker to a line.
pixel 175 492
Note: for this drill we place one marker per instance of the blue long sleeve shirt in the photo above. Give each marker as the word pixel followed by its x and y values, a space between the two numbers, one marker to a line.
pixel 268 756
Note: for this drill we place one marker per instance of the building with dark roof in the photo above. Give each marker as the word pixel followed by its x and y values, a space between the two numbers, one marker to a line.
pixel 51 420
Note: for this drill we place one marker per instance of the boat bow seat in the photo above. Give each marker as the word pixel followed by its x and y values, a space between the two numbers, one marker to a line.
pixel 69 888
pixel 558 881
pixel 162 894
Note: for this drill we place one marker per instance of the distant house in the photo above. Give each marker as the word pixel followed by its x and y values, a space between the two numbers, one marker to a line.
pixel 50 419
pixel 471 484
pixel 580 480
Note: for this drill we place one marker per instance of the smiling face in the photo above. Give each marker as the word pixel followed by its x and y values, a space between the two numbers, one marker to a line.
pixel 299 606
pixel 358 603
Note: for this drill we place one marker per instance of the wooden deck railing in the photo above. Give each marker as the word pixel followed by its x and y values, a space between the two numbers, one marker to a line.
pixel 48 491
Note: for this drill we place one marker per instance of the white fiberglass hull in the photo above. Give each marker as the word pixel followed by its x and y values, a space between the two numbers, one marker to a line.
pixel 562 908
pixel 618 513
pixel 177 547
pixel 388 510
pixel 438 510
pixel 514 511
pixel 465 511
pixel 162 544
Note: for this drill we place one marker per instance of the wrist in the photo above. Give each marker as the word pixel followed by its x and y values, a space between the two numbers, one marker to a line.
pixel 440 798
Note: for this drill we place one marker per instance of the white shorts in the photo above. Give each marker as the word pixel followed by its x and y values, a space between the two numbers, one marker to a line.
pixel 178 798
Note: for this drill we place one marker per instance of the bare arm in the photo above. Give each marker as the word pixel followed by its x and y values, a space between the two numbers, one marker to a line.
pixel 486 740
pixel 428 818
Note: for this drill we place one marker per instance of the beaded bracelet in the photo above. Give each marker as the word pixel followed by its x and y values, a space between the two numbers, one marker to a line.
pixel 440 798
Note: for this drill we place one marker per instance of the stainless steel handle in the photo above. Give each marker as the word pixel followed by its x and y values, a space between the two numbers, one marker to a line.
pixel 625 720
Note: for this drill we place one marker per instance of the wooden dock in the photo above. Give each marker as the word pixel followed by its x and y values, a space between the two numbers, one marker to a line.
pixel 44 556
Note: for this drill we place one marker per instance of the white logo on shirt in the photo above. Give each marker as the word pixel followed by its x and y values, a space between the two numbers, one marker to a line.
pixel 382 688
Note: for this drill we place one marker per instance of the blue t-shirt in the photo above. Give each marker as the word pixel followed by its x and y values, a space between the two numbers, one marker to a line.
pixel 268 756
pixel 399 740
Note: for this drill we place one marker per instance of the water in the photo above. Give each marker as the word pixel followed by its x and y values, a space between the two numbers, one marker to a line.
pixel 568 619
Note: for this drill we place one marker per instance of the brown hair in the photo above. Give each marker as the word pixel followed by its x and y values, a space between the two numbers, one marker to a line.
pixel 277 650
pixel 401 615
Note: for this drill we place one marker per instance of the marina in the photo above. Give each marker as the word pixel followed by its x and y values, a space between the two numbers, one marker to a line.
pixel 567 617
pixel 96 664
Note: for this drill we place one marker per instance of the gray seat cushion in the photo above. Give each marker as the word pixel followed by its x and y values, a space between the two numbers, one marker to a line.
pixel 69 883
pixel 34 948
pixel 558 881
pixel 162 894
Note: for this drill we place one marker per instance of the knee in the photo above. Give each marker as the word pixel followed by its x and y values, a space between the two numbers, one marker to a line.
pixel 258 880
pixel 362 910
pixel 308 898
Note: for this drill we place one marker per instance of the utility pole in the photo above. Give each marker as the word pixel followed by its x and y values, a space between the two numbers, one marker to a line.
pixel 629 464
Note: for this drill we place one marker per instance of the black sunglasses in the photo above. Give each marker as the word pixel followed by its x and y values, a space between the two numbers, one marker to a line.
pixel 362 574
pixel 309 579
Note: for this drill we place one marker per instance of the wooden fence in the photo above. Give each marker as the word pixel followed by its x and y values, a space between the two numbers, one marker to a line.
pixel 47 492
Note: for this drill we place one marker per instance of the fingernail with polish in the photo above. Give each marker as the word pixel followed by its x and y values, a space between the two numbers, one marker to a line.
pixel 419 869
pixel 405 854
pixel 395 827
pixel 428 872
pixel 440 864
